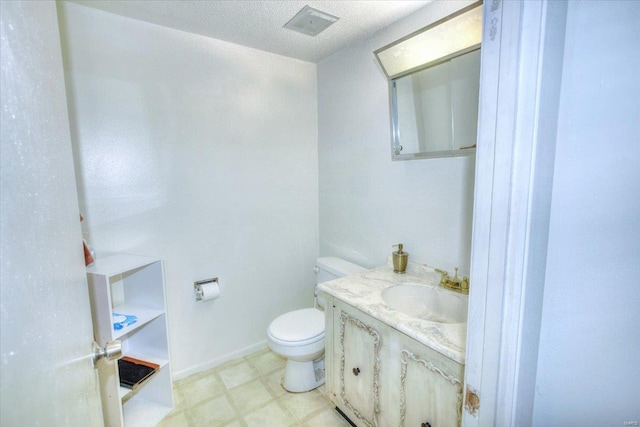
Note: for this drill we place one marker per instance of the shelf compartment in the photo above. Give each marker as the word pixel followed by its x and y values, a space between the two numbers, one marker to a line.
pixel 144 315
pixel 151 402
pixel 141 412
pixel 125 393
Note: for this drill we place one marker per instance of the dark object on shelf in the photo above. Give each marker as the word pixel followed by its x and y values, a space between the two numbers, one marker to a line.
pixel 134 372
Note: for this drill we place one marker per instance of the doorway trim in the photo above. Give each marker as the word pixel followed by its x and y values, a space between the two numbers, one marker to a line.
pixel 521 74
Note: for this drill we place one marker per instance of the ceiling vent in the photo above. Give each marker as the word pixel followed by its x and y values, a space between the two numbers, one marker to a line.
pixel 310 21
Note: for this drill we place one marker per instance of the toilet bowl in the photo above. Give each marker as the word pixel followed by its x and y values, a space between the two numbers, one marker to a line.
pixel 299 335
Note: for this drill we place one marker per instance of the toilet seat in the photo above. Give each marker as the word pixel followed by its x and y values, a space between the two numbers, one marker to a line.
pixel 296 343
pixel 299 327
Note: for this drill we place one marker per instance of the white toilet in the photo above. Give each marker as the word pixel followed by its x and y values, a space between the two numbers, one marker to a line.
pixel 299 335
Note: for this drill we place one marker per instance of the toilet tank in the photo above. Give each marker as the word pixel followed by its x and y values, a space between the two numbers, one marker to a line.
pixel 330 268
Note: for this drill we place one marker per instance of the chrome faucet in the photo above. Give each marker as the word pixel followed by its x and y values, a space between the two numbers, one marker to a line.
pixel 454 283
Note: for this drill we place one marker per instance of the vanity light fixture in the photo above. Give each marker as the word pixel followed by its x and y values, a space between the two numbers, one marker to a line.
pixel 451 36
pixel 310 21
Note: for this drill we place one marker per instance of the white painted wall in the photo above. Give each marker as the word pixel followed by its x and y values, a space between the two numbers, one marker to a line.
pixel 202 153
pixel 368 202
pixel 589 352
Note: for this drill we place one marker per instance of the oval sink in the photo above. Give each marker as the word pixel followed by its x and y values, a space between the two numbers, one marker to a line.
pixel 427 302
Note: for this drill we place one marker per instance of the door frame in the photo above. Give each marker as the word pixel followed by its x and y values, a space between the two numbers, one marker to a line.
pixel 521 74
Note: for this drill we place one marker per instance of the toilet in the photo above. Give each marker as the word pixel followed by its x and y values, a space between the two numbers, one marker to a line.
pixel 299 335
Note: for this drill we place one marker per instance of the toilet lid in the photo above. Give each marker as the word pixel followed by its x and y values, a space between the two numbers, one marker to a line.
pixel 299 325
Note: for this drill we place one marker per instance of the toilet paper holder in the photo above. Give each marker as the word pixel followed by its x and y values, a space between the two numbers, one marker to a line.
pixel 197 287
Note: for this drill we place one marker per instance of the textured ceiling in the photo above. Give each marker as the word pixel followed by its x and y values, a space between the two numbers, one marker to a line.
pixel 258 24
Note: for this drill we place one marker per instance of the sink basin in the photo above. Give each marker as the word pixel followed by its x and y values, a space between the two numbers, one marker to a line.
pixel 427 302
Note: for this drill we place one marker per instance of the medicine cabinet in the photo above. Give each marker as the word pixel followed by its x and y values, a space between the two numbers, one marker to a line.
pixel 434 84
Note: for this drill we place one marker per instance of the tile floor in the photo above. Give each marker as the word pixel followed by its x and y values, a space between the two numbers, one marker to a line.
pixel 247 392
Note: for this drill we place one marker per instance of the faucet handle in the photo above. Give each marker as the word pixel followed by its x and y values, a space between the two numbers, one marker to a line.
pixel 444 275
pixel 455 278
pixel 462 282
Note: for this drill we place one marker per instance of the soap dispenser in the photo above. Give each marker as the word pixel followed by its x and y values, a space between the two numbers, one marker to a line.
pixel 400 259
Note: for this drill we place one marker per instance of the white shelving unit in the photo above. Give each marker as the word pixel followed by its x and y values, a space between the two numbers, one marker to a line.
pixel 132 285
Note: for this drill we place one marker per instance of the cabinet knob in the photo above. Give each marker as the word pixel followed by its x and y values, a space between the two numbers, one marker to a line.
pixel 425 425
pixel 356 371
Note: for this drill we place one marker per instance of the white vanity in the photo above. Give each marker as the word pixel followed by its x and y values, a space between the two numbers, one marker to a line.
pixel 400 366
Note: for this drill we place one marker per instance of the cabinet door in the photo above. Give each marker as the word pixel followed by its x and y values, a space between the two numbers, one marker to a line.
pixel 359 367
pixel 430 387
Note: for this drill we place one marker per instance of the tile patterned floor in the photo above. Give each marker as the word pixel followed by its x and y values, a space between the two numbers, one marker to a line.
pixel 247 392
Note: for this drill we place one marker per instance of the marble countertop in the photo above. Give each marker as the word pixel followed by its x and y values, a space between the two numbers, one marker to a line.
pixel 363 291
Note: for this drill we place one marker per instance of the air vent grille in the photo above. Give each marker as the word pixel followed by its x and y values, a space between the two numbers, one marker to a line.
pixel 310 21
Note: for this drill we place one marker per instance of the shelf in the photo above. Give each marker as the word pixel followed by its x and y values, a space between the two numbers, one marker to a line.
pixel 144 315
pixel 132 285
pixel 124 392
pixel 117 264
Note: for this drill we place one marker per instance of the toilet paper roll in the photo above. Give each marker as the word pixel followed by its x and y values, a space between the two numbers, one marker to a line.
pixel 210 291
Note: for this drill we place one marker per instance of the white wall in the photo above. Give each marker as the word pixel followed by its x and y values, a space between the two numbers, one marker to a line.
pixel 589 351
pixel 202 153
pixel 368 202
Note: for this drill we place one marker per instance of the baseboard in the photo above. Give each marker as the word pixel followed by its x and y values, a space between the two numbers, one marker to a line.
pixel 178 375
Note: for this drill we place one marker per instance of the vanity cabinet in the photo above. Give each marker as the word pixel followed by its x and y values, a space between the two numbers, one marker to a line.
pixel 428 389
pixel 356 363
pixel 380 377
pixel 133 286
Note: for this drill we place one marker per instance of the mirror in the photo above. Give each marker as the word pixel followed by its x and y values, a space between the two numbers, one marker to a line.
pixel 434 112
pixel 434 82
